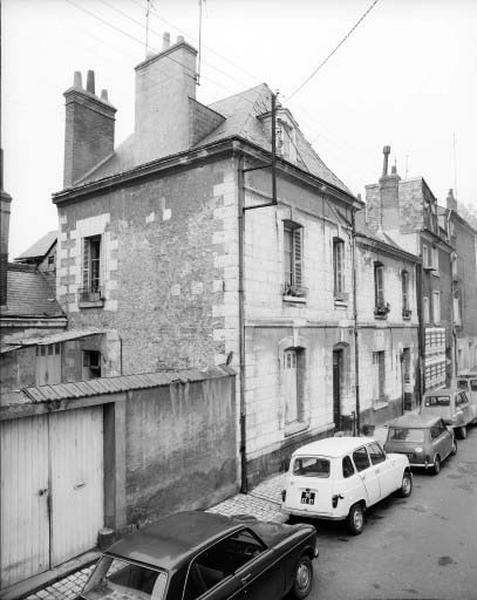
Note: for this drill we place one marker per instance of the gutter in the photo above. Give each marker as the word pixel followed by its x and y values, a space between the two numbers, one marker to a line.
pixel 355 325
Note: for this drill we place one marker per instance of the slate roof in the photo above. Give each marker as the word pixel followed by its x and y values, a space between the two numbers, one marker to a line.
pixel 28 294
pixel 241 112
pixel 40 247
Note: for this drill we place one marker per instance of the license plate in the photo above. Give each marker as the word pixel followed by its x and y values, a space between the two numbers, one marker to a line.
pixel 307 497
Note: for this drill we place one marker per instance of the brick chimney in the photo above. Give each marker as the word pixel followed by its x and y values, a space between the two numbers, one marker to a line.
pixel 5 201
pixel 164 84
pixel 451 201
pixel 89 128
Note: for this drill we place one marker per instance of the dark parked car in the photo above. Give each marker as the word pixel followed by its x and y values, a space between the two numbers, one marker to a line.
pixel 425 439
pixel 192 555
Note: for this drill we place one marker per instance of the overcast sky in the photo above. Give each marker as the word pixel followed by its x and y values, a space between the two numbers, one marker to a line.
pixel 406 77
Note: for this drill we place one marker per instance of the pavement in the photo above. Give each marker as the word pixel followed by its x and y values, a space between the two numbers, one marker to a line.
pixel 263 502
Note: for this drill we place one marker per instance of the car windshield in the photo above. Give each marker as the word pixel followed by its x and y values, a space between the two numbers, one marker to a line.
pixel 437 401
pixel 115 579
pixel 310 466
pixel 406 434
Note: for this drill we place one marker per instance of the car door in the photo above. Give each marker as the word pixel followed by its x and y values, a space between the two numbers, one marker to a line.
pixel 367 474
pixel 262 577
pixel 384 469
pixel 443 440
pixel 464 406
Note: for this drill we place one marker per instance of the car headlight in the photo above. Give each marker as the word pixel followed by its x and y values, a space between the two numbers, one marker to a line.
pixel 418 450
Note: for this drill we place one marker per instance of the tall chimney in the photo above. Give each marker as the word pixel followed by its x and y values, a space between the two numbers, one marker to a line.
pixel 451 201
pixel 164 84
pixel 5 201
pixel 386 152
pixel 89 129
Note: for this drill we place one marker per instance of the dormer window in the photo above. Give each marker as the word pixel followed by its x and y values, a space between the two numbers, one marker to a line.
pixel 286 139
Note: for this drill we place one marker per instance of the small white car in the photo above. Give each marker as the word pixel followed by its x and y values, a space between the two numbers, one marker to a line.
pixel 339 478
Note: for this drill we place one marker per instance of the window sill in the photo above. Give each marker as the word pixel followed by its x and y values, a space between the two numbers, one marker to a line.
pixel 436 273
pixel 380 405
pixel 294 428
pixel 381 317
pixel 91 304
pixel 294 299
pixel 341 303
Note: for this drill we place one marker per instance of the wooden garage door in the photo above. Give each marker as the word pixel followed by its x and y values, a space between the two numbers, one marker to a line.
pixel 24 521
pixel 51 490
pixel 76 447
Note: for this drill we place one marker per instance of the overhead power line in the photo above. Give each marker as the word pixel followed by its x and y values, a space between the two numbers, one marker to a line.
pixel 323 62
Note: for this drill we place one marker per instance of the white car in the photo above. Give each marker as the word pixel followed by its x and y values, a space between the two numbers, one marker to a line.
pixel 339 478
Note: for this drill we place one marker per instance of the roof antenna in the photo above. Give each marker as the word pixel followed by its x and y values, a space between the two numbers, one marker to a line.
pixel 199 58
pixel 149 5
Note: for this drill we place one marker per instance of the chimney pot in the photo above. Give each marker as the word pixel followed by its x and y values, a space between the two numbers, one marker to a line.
pixel 394 170
pixel 180 39
pixel 166 40
pixel 386 152
pixel 77 80
pixel 104 95
pixel 90 82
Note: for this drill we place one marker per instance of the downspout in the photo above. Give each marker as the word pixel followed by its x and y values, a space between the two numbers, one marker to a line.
pixel 241 302
pixel 241 287
pixel 420 337
pixel 355 319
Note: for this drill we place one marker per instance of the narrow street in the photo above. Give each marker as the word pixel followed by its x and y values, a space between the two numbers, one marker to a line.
pixel 422 547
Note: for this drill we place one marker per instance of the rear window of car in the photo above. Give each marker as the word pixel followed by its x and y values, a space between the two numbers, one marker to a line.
pixel 463 384
pixel 115 578
pixel 406 434
pixel 311 466
pixel 437 400
pixel 473 385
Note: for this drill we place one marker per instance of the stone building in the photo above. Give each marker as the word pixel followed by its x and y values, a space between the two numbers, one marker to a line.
pixel 407 211
pixel 173 239
pixel 387 325
pixel 463 238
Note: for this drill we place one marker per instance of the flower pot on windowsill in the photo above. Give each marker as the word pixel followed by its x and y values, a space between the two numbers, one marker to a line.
pixel 381 310
pixel 406 313
pixel 294 291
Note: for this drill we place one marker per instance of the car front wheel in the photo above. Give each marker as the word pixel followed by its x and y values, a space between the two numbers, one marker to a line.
pixel 303 581
pixel 356 519
pixel 437 465
pixel 406 485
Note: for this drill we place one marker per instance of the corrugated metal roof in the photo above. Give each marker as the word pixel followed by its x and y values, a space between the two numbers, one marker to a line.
pixel 61 336
pixel 123 383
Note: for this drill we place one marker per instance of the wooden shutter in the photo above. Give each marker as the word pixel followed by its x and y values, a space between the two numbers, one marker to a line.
pixel 86 264
pixel 378 283
pixel 405 290
pixel 297 256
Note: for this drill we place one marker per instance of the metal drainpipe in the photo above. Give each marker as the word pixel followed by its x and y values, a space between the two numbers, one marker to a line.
pixel 420 337
pixel 241 301
pixel 355 316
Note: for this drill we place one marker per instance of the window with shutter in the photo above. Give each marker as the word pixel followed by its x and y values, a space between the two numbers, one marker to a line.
pixel 91 291
pixel 293 259
pixel 406 311
pixel 338 268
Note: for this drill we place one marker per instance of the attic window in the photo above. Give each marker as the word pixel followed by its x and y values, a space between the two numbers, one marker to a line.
pixel 286 140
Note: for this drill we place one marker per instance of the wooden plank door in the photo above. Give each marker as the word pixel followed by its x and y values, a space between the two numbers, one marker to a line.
pixel 76 442
pixel 24 519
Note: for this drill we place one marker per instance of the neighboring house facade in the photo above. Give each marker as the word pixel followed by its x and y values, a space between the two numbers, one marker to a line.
pixel 387 325
pixel 166 241
pixel 463 238
pixel 407 211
